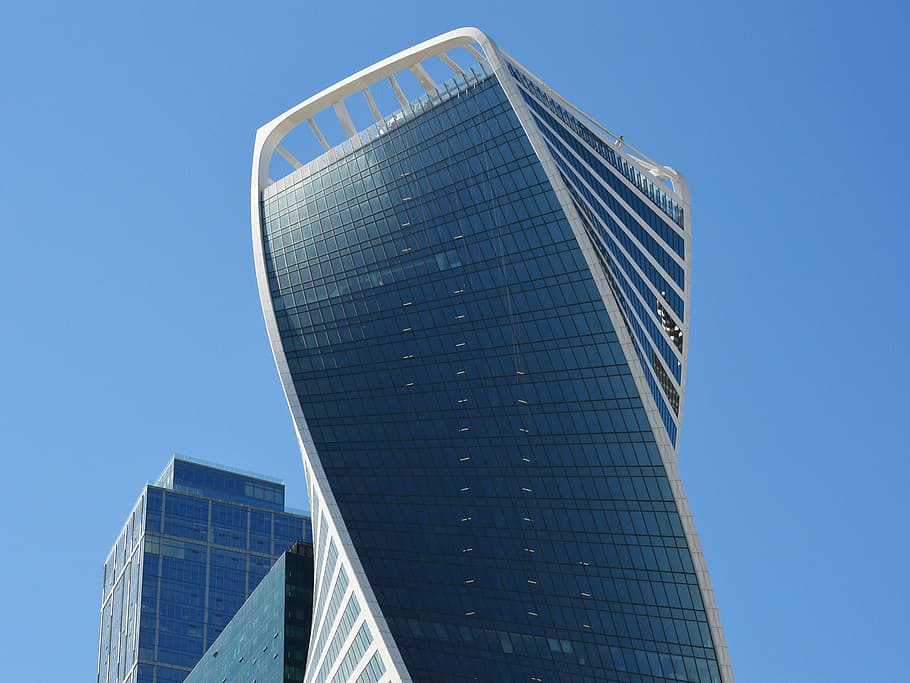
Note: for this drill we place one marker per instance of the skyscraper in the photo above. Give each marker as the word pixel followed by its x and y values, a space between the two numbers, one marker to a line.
pixel 194 547
pixel 267 639
pixel 477 299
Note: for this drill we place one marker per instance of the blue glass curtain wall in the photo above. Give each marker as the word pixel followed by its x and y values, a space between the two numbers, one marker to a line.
pixel 474 412
pixel 182 567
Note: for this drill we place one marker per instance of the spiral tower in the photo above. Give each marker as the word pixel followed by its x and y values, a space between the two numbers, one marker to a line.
pixel 478 301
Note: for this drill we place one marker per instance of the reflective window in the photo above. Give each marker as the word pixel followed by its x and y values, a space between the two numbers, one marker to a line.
pixel 194 551
pixel 475 414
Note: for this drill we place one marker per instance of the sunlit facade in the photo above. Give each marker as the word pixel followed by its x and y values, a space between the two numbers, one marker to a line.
pixel 194 547
pixel 477 299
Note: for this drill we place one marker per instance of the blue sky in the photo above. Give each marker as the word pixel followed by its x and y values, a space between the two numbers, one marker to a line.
pixel 132 326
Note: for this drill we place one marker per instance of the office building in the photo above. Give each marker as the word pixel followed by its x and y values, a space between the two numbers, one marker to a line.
pixel 477 299
pixel 196 544
pixel 267 639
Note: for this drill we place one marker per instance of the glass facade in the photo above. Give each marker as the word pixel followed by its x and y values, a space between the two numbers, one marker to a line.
pixel 473 411
pixel 267 639
pixel 638 241
pixel 194 547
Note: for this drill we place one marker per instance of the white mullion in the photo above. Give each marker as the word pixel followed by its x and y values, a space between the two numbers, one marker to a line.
pixel 654 315
pixel 670 281
pixel 676 353
pixel 348 641
pixel 362 663
pixel 632 186
pixel 332 580
pixel 649 366
pixel 336 620
pixel 641 164
pixel 638 219
pixel 322 552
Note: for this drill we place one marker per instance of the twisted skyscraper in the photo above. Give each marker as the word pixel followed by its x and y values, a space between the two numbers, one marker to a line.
pixel 478 304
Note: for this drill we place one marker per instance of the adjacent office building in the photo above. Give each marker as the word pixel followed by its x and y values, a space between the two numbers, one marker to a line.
pixel 267 639
pixel 194 547
pixel 477 298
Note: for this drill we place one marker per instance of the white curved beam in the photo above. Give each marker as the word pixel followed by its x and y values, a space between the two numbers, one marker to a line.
pixel 270 135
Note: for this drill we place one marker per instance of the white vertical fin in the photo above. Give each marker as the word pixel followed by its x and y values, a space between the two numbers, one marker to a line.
pixel 474 51
pixel 449 62
pixel 371 103
pixel 318 134
pixel 398 92
pixel 288 157
pixel 423 77
pixel 344 118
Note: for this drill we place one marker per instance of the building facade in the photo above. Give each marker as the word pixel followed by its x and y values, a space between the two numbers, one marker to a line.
pixel 477 299
pixel 267 639
pixel 194 547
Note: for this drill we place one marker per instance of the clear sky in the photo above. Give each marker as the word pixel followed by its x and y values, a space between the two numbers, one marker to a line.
pixel 132 327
